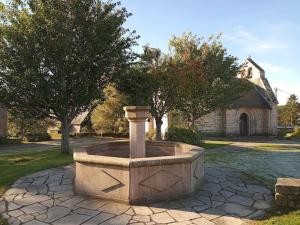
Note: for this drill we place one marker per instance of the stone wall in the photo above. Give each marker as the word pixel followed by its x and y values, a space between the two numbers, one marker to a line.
pixel 287 193
pixel 227 122
pixel 3 122
pixel 212 123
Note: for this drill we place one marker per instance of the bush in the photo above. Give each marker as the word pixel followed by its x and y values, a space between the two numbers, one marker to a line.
pixel 295 134
pixel 185 135
pixel 37 137
pixel 151 134
pixel 10 141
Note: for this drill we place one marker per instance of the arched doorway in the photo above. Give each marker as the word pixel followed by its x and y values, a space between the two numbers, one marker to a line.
pixel 244 124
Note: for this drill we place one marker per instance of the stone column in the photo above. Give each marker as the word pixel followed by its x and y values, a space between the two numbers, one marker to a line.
pixel 137 116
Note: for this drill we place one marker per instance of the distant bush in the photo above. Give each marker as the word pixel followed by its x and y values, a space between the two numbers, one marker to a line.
pixel 294 134
pixel 9 141
pixel 185 135
pixel 37 137
pixel 151 134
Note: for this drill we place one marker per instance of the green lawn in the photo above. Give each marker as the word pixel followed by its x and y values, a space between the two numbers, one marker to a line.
pixel 14 166
pixel 210 144
pixel 292 218
pixel 277 147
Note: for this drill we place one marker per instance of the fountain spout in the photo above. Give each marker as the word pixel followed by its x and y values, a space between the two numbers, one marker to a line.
pixel 137 116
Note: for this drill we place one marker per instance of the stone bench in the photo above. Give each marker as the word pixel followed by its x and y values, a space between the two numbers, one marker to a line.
pixel 287 193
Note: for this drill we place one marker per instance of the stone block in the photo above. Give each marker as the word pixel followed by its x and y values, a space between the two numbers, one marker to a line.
pixel 287 192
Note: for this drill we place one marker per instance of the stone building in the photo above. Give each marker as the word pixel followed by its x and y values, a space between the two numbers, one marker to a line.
pixel 254 113
pixel 3 122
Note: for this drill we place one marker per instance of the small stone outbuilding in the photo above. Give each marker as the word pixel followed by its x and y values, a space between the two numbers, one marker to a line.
pixel 253 113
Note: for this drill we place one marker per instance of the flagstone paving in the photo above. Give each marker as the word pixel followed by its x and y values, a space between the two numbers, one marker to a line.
pixel 46 197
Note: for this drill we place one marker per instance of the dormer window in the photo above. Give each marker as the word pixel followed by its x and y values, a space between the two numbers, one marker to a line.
pixel 249 72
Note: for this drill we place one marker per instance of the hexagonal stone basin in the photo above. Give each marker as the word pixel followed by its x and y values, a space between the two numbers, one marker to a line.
pixel 169 170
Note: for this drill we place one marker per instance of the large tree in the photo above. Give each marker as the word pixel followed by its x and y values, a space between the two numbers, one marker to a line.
pixel 290 113
pixel 153 82
pixel 207 75
pixel 109 116
pixel 57 55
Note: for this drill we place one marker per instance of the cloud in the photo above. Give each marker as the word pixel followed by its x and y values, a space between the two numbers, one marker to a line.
pixel 252 43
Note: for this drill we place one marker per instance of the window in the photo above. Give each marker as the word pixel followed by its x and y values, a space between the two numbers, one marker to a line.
pixel 249 72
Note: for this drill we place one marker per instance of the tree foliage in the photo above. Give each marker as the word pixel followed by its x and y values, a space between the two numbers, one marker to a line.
pixel 56 56
pixel 289 114
pixel 152 82
pixel 207 75
pixel 21 124
pixel 108 117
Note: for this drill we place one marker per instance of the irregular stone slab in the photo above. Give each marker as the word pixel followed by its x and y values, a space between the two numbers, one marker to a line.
pixel 141 218
pixel 201 208
pixel 58 194
pixel 130 212
pixel 13 206
pixel 259 214
pixel 72 201
pixel 56 213
pixel 212 213
pixel 99 219
pixel 35 222
pixel 142 210
pixel 261 204
pixel 119 220
pixel 180 215
pixel 202 221
pixel 258 189
pixel 72 220
pixel 226 194
pixel 61 188
pixel 228 220
pixel 181 223
pixel 87 212
pixel 15 191
pixel 92 204
pixel 13 221
pixel 48 203
pixel 162 218
pixel 35 208
pixel 25 218
pixel 236 209
pixel 115 208
pixel 32 200
pixel 241 200
pixel 2 206
pixel 15 213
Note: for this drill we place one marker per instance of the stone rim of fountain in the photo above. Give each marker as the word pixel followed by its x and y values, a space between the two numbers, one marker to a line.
pixel 192 152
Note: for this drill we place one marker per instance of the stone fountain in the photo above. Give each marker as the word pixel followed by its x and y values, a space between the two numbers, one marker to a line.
pixel 138 171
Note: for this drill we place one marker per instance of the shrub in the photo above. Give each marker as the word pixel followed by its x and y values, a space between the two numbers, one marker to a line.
pixel 37 137
pixel 151 134
pixel 294 134
pixel 186 135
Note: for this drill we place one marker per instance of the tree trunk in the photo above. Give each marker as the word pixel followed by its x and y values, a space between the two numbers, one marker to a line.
pixel 65 133
pixel 158 123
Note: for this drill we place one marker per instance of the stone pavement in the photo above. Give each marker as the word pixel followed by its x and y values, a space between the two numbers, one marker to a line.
pixel 46 197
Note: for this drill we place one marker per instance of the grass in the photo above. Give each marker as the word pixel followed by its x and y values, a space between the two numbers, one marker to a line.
pixel 277 147
pixel 291 218
pixel 14 166
pixel 3 221
pixel 210 144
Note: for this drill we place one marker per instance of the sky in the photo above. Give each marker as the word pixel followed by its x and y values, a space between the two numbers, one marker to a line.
pixel 266 30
